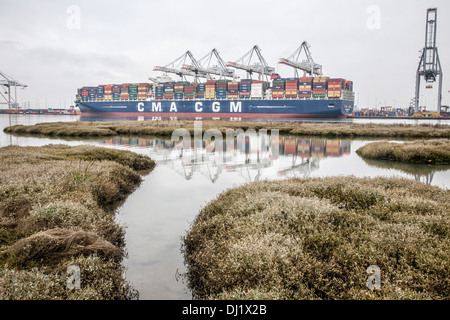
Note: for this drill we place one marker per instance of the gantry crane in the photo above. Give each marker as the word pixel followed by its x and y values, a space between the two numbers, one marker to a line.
pixel 174 67
pixel 429 65
pixel 8 82
pixel 204 66
pixel 244 63
pixel 308 66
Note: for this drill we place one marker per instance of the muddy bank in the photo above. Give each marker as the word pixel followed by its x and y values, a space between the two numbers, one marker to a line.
pixel 55 214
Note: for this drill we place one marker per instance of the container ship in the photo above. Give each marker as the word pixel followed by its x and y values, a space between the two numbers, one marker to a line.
pixel 300 97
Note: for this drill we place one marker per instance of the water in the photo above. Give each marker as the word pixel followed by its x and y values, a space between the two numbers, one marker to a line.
pixel 158 214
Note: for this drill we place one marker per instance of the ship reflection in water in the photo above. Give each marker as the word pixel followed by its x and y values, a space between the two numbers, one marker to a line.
pixel 253 156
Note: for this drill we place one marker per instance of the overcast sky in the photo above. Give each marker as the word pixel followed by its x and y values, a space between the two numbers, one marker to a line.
pixel 58 46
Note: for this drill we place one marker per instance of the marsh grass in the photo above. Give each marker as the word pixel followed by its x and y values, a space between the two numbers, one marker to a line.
pixel 315 238
pixel 55 208
pixel 417 152
pixel 166 127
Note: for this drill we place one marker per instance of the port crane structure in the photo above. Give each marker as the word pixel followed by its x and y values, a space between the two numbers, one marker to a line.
pixel 429 65
pixel 174 67
pixel 245 63
pixel 308 66
pixel 204 66
pixel 6 82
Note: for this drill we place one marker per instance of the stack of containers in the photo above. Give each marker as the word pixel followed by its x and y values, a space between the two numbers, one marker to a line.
pixel 101 92
pixel 201 88
pixel 92 93
pixel 210 92
pixel 124 91
pixel 349 85
pixel 84 94
pixel 257 89
pixel 278 88
pixel 178 90
pixel 291 87
pixel 233 90
pixel 142 91
pixel 334 88
pixel 78 97
pixel 319 87
pixel 159 91
pixel 168 90
pixel 133 91
pixel 221 89
pixel 189 91
pixel 116 92
pixel 108 92
pixel 245 88
pixel 304 88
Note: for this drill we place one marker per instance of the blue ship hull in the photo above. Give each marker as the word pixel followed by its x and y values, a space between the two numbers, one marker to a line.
pixel 248 108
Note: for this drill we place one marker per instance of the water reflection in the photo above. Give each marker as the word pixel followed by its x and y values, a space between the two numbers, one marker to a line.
pixel 249 155
pixel 421 172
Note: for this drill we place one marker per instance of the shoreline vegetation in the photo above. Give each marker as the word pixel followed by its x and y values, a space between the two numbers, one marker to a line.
pixel 56 211
pixel 322 238
pixel 88 129
pixel 435 152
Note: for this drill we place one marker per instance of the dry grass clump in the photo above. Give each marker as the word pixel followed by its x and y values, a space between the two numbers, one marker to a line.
pixel 55 205
pixel 55 243
pixel 423 151
pixel 166 127
pixel 315 239
pixel 100 279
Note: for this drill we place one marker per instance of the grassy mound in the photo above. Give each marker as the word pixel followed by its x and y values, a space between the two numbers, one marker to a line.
pixel 55 208
pixel 423 152
pixel 316 238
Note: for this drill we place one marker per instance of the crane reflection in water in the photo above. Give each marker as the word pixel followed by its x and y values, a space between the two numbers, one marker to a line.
pixel 251 154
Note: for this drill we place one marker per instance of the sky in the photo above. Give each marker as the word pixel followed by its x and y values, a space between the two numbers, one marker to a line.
pixel 57 46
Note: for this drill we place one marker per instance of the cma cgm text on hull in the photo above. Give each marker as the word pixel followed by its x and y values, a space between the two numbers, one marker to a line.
pixel 224 108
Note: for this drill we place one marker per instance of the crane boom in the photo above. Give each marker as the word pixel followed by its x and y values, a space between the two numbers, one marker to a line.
pixel 220 70
pixel 173 67
pixel 244 63
pixel 6 81
pixel 308 66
